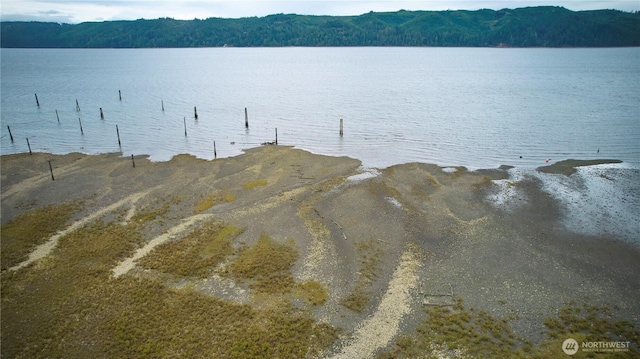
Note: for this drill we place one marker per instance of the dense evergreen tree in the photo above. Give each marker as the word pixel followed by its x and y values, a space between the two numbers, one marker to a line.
pixel 524 27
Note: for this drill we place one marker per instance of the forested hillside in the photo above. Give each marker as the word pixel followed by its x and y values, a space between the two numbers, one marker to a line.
pixel 524 27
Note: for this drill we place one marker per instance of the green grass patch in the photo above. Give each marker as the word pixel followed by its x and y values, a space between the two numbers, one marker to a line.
pixel 589 323
pixel 254 184
pixel 143 217
pixel 71 307
pixel 357 299
pixel 52 310
pixel 211 200
pixel 28 230
pixel 195 254
pixel 369 254
pixel 207 327
pixel 476 334
pixel 313 292
pixel 266 266
pixel 592 320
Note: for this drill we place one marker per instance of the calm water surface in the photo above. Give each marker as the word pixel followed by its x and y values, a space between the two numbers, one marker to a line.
pixel 478 108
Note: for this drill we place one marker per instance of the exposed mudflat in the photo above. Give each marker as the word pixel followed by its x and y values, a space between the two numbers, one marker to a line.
pixel 502 240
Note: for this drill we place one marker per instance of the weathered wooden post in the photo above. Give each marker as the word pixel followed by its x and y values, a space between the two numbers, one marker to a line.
pixel 57 116
pixel 215 153
pixel 37 102
pixel 133 161
pixel 341 127
pixel 29 145
pixel 195 112
pixel 246 118
pixel 10 134
pixel 77 106
pixel 118 132
pixel 101 113
pixel 162 105
pixel 120 95
pixel 51 170
pixel 276 135
pixel 81 131
pixel 185 127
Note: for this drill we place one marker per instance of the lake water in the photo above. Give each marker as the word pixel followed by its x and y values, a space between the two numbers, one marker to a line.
pixel 476 107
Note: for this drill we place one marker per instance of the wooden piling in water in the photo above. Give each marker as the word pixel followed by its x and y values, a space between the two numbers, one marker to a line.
pixel 101 113
pixel 341 127
pixel 120 95
pixel 51 170
pixel 215 153
pixel 10 134
pixel 195 112
pixel 118 132
pixel 81 131
pixel 162 105
pixel 133 161
pixel 37 102
pixel 29 145
pixel 276 135
pixel 246 118
pixel 57 116
pixel 185 127
pixel 77 106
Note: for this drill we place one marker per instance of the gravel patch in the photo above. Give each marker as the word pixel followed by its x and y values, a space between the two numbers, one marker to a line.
pixel 382 326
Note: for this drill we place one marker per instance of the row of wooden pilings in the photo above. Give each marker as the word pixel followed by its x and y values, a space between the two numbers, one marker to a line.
pixel 195 113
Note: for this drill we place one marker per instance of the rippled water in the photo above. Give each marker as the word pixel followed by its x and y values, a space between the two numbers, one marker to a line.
pixel 478 108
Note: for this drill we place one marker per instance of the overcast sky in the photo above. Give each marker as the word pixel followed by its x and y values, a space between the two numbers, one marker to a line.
pixel 75 11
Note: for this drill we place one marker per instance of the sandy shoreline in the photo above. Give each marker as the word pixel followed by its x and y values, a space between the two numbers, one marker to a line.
pixel 511 256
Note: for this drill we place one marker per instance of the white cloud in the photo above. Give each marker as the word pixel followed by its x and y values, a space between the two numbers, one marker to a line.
pixel 97 10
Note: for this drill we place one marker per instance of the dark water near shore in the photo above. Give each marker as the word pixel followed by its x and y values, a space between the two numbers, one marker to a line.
pixel 478 108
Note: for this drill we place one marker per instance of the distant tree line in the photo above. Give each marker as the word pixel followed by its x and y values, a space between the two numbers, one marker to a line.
pixel 524 27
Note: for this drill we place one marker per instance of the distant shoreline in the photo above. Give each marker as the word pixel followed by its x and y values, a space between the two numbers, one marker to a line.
pixel 543 26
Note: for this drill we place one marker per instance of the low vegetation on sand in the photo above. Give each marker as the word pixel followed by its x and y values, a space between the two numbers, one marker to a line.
pixel 266 268
pixel 30 229
pixel 467 333
pixel 368 260
pixel 254 184
pixel 195 254
pixel 211 200
pixel 69 306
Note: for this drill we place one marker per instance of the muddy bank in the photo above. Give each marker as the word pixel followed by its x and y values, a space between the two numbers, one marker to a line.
pixel 384 243
pixel 568 167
